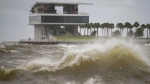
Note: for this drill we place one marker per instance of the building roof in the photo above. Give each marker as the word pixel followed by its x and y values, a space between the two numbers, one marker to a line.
pixel 62 3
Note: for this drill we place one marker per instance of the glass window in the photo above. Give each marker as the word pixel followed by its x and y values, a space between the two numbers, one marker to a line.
pixel 65 19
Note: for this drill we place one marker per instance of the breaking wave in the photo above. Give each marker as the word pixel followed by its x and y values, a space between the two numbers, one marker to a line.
pixel 114 55
pixel 7 74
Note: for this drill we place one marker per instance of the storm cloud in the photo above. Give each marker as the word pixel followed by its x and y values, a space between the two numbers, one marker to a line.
pixel 14 14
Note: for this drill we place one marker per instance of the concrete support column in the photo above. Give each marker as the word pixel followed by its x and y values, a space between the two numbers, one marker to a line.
pixel 38 32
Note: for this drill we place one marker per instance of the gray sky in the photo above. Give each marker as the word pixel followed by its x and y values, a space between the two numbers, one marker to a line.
pixel 14 14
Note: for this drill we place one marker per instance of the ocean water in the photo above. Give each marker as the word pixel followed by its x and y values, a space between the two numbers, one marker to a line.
pixel 112 62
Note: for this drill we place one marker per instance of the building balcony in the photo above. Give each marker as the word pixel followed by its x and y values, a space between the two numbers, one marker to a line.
pixel 58 19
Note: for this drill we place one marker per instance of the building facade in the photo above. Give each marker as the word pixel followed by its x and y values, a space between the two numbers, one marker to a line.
pixel 48 22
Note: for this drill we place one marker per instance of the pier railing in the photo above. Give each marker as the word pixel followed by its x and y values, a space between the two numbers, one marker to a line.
pixel 78 13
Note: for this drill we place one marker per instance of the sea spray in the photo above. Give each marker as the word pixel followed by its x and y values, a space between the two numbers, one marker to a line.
pixel 113 54
pixel 103 62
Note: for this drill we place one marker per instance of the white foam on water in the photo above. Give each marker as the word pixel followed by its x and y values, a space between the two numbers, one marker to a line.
pixel 91 81
pixel 2 46
pixel 14 51
pixel 74 53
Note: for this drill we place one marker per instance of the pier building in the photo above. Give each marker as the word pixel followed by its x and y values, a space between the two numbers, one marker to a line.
pixel 47 21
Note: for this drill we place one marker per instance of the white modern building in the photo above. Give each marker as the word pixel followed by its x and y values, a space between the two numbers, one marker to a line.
pixel 47 22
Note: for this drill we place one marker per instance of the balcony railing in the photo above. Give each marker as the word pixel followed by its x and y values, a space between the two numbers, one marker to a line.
pixel 81 13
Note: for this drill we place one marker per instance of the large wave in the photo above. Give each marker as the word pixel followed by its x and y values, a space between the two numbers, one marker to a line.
pixel 114 55
pixel 7 74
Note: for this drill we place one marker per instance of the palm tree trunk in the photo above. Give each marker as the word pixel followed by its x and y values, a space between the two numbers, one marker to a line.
pixel 147 32
pixel 102 31
pixel 84 31
pixel 107 31
pixel 90 30
pixel 87 31
pixel 111 31
pixel 122 33
pixel 127 31
pixel 97 31
pixel 80 31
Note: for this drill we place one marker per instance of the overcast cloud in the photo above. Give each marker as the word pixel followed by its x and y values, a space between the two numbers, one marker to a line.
pixel 14 14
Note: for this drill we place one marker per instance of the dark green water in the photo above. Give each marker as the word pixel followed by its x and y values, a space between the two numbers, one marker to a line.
pixel 114 62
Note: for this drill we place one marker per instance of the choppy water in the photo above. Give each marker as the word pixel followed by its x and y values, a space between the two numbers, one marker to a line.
pixel 113 62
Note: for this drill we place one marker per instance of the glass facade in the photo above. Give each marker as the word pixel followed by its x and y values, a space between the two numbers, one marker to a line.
pixel 34 19
pixel 64 19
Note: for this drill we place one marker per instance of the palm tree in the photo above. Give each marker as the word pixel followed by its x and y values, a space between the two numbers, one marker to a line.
pixel 118 26
pixel 91 25
pixel 80 28
pixel 102 26
pixel 106 25
pixel 121 26
pixel 143 26
pixel 88 27
pixel 136 24
pixel 128 25
pixel 148 27
pixel 97 25
pixel 111 26
pixel 94 26
pixel 85 26
pixel 149 30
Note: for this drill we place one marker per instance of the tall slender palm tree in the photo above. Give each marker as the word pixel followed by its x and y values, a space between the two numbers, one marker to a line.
pixel 80 28
pixel 118 26
pixel 85 27
pixel 91 25
pixel 94 26
pixel 128 25
pixel 111 26
pixel 148 27
pixel 136 25
pixel 149 30
pixel 143 26
pixel 121 26
pixel 102 26
pixel 97 25
pixel 106 25
pixel 88 27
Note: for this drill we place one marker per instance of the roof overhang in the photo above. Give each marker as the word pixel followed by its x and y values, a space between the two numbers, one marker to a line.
pixel 36 14
pixel 61 3
pixel 61 24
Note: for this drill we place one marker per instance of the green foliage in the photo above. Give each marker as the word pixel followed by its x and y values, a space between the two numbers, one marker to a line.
pixel 120 25
pixel 130 33
pixel 116 33
pixel 111 25
pixel 143 26
pixel 136 24
pixel 93 33
pixel 128 25
pixel 139 33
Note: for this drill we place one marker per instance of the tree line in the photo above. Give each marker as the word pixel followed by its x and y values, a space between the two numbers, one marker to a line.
pixel 139 29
